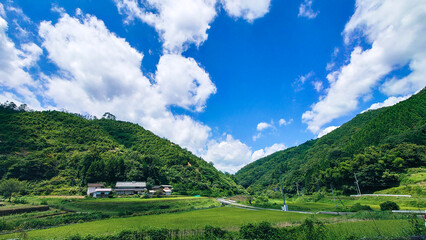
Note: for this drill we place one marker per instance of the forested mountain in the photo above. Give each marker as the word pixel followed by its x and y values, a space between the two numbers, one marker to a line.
pixel 377 145
pixel 59 153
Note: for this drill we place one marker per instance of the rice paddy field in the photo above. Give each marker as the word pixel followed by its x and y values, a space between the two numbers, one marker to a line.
pixel 228 218
pixel 100 217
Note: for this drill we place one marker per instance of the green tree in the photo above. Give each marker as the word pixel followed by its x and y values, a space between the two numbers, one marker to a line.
pixel 10 186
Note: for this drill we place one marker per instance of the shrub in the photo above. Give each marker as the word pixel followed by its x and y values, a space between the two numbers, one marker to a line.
pixel 263 230
pixel 313 229
pixel 213 232
pixel 358 207
pixel 20 200
pixel 389 206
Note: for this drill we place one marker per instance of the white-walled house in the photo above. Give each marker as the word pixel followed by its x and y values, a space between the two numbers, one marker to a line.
pixel 91 188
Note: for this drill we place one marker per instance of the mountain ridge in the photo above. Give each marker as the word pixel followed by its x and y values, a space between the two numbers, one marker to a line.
pixel 59 153
pixel 390 131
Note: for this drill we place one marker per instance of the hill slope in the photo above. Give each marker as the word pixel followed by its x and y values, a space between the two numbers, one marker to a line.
pixel 377 145
pixel 60 152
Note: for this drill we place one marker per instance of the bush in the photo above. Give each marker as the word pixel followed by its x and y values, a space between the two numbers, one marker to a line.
pixel 263 230
pixel 20 200
pixel 313 229
pixel 213 232
pixel 389 206
pixel 358 207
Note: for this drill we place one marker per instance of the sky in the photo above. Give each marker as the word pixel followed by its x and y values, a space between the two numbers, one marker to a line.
pixel 230 80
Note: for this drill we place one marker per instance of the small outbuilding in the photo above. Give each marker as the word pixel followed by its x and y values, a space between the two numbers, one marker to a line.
pixel 163 189
pixel 102 192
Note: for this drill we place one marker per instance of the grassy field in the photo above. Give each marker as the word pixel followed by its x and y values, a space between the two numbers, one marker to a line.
pixel 65 211
pixel 327 203
pixel 228 218
pixel 225 217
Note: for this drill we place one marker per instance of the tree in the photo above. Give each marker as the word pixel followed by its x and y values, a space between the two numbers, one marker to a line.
pixel 10 186
pixel 108 116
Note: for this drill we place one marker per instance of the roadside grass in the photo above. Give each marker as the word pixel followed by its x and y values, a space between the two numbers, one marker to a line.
pixel 326 203
pixel 225 217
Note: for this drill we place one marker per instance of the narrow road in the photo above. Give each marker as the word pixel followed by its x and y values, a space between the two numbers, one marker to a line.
pixel 233 203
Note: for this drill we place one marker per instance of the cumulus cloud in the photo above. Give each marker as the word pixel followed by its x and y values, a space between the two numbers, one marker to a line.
pixel 263 125
pixel 318 86
pixel 17 83
pixel 395 29
pixel 305 10
pixel 100 72
pixel 177 22
pixel 283 122
pixel 231 154
pixel 183 82
pixel 2 12
pixel 388 102
pixel 327 131
pixel 247 9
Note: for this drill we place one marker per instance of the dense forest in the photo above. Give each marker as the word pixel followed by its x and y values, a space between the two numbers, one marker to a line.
pixel 59 153
pixel 379 146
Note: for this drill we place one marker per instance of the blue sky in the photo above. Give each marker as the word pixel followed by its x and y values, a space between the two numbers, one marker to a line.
pixel 230 80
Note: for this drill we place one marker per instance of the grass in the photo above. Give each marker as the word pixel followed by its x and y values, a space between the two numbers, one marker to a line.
pixel 69 211
pixel 327 203
pixel 225 217
pixel 120 206
pixel 360 229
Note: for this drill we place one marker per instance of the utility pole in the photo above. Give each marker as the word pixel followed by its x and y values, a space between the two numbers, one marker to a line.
pixel 332 190
pixel 357 185
pixel 297 188
pixel 285 207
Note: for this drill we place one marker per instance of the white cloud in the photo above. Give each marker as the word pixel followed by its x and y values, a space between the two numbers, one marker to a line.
pixel 2 12
pixel 263 125
pixel 183 82
pixel 100 72
pixel 395 29
pixel 228 155
pixel 388 102
pixel 305 10
pixel 231 154
pixel 14 65
pixel 257 136
pixel 318 86
pixel 247 9
pixel 327 131
pixel 177 22
pixel 267 151
pixel 283 122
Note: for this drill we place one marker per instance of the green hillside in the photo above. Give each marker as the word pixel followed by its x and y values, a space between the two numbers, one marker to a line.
pixel 378 145
pixel 58 153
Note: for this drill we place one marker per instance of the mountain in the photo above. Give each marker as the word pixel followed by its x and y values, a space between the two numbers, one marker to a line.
pixel 59 153
pixel 378 146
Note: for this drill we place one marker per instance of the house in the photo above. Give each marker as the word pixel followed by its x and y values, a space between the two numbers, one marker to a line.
pixel 91 188
pixel 102 192
pixel 130 188
pixel 163 189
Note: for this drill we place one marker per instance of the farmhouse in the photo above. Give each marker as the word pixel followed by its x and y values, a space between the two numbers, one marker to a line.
pixel 91 188
pixel 130 188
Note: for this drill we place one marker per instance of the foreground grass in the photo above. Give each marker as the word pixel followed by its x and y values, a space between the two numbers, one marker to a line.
pixel 225 217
